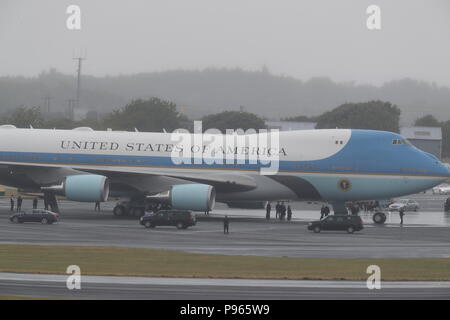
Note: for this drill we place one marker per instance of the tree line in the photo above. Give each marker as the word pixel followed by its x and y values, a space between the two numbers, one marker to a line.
pixel 201 92
pixel 156 115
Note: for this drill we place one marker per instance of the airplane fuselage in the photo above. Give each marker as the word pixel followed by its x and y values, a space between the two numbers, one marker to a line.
pixel 332 165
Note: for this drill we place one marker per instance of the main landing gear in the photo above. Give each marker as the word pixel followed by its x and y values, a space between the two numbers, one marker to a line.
pixel 136 207
pixel 129 208
pixel 379 217
pixel 50 201
pixel 339 208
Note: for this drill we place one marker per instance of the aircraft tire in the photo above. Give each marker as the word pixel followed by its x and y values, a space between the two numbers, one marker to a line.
pixel 119 211
pixel 379 218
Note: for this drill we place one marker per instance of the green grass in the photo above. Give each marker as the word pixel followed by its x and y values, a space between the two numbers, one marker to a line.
pixel 163 263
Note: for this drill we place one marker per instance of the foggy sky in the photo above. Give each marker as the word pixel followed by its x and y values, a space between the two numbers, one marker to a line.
pixel 302 39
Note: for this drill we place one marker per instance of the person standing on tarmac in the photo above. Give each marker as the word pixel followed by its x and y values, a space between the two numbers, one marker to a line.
pixel 226 224
pixel 97 206
pixel 19 203
pixel 447 205
pixel 326 211
pixel 35 203
pixel 283 211
pixel 401 212
pixel 289 213
pixel 268 208
pixel 11 200
pixel 322 212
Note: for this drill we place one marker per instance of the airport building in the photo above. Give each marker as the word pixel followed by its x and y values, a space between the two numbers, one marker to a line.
pixel 428 139
pixel 290 125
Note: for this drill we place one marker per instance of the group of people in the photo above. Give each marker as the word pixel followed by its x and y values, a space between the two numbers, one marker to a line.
pixel 18 206
pixel 280 211
pixel 357 206
pixel 19 203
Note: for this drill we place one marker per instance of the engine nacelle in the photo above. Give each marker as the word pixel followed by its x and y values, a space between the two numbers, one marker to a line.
pixel 196 197
pixel 86 188
pixel 82 188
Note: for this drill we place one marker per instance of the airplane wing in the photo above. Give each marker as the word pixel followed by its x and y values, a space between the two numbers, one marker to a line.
pixel 129 180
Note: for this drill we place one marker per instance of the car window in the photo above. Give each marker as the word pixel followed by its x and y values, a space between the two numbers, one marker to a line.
pixel 340 219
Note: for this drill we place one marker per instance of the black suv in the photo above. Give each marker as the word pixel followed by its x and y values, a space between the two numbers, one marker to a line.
pixel 351 223
pixel 180 219
pixel 36 215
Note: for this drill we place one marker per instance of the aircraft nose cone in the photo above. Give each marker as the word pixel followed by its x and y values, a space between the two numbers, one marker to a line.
pixel 440 168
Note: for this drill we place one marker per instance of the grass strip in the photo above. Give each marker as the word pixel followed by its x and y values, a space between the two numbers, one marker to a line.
pixel 119 261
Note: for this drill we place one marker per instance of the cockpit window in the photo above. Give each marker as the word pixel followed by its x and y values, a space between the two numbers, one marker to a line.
pixel 400 141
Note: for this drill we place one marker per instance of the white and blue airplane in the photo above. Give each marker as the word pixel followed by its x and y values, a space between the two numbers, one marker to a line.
pixel 333 166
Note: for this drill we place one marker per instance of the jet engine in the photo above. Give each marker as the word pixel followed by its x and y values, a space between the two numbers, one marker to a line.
pixel 196 197
pixel 83 188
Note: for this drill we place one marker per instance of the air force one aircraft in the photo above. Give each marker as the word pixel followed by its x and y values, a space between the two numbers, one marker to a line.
pixel 314 165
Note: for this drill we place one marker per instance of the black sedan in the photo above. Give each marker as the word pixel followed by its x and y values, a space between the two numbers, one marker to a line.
pixel 36 215
pixel 351 223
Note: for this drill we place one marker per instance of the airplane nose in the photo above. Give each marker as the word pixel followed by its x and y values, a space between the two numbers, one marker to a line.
pixel 437 167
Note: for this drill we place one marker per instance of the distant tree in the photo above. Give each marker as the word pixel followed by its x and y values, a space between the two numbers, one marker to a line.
pixel 376 115
pixel 233 120
pixel 23 117
pixel 427 121
pixel 151 115
pixel 60 123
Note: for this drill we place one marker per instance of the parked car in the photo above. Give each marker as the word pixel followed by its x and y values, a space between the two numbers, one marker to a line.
pixel 179 219
pixel 351 223
pixel 35 215
pixel 441 189
pixel 405 204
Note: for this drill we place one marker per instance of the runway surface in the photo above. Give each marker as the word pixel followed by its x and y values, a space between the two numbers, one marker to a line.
pixel 206 289
pixel 425 234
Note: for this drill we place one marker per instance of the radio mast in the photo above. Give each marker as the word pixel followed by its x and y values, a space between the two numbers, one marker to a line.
pixel 77 100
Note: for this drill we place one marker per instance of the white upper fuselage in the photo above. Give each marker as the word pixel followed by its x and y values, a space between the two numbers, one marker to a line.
pixel 336 164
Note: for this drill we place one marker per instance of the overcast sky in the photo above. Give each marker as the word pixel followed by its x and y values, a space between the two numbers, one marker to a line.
pixel 302 39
